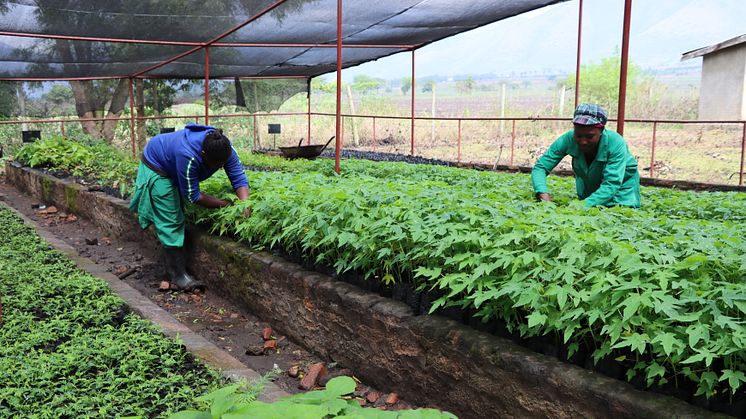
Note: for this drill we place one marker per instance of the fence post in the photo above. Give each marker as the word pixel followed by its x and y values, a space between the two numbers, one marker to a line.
pixel 374 134
pixel 743 147
pixel 256 139
pixel 652 151
pixel 458 158
pixel 62 128
pixel 512 144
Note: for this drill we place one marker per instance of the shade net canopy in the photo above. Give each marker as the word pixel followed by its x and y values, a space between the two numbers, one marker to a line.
pixel 281 38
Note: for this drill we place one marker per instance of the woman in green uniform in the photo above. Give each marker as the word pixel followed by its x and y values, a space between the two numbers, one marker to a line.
pixel 605 170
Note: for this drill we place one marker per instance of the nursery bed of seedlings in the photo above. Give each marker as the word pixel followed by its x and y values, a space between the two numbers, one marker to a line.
pixel 654 295
pixel 69 347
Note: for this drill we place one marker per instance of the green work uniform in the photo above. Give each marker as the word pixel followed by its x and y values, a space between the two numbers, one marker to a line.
pixel 610 179
pixel 157 201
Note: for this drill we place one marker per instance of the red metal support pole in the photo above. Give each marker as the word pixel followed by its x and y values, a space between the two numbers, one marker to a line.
pixel 458 146
pixel 411 151
pixel 309 112
pixel 577 63
pixel 652 151
pixel 132 119
pixel 339 86
pixel 623 69
pixel 512 143
pixel 207 86
pixel 198 44
pixel 743 148
pixel 374 134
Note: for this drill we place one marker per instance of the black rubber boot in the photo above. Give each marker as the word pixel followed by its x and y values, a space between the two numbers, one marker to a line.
pixel 176 268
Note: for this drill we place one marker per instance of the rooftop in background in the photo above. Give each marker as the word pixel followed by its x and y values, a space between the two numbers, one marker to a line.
pixel 713 48
pixel 246 37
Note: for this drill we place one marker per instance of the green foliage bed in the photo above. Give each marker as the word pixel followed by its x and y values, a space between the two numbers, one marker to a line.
pixel 68 347
pixel 659 291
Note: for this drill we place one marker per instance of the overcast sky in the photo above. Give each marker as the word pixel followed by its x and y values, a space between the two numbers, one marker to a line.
pixel 545 40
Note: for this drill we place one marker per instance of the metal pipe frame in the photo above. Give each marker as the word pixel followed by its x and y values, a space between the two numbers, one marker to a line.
pixel 142 77
pixel 411 150
pixel 419 118
pixel 308 94
pixel 207 86
pixel 337 142
pixel 459 120
pixel 623 69
pixel 577 63
pixel 212 41
pixel 203 44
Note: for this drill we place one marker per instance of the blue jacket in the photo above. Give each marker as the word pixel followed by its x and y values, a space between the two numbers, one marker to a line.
pixel 178 155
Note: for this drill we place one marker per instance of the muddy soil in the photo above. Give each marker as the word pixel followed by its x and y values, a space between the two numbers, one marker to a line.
pixel 217 319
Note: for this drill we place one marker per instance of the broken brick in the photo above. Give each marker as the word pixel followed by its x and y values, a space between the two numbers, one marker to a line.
pixel 267 333
pixel 311 379
pixel 392 399
pixel 373 396
pixel 270 345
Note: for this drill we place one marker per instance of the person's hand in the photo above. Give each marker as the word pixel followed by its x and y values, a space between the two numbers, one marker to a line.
pixel 247 212
pixel 543 196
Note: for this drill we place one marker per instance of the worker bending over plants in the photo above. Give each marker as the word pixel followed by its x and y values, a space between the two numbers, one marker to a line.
pixel 171 168
pixel 605 170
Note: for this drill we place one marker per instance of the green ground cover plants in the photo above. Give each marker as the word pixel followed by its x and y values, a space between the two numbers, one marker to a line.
pixel 658 291
pixel 334 401
pixel 69 348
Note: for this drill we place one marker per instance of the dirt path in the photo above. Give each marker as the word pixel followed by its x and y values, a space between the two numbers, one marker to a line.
pixel 218 320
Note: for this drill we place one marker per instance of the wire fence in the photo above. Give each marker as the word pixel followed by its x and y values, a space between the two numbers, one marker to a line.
pixel 687 150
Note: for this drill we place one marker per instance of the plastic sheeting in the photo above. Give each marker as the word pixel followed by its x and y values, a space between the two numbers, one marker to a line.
pixel 390 26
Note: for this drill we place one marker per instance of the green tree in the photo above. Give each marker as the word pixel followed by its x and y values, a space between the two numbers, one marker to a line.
pixel 428 86
pixel 465 86
pixel 7 98
pixel 406 85
pixel 599 82
pixel 59 100
pixel 319 85
pixel 366 84
pixel 108 98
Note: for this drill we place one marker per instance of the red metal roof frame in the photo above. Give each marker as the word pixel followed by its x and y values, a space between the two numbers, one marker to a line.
pixel 214 42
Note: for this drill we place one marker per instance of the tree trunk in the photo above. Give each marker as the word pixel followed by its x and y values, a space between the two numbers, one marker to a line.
pixel 240 99
pixel 141 134
pixel 156 101
pixel 115 110
pixel 21 93
pixel 84 106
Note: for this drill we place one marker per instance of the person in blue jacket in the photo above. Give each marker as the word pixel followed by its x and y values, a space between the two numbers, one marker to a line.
pixel 171 168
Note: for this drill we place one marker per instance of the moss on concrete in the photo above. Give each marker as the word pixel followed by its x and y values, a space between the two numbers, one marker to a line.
pixel 71 197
